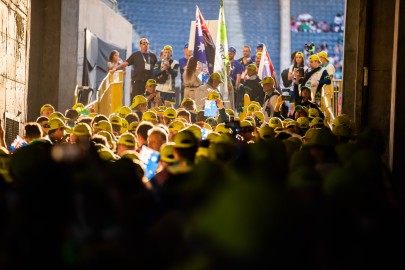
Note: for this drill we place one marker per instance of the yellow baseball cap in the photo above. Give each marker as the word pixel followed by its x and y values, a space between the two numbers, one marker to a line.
pixel 316 121
pixel 195 129
pixel 58 115
pixel 184 139
pixel 124 125
pixel 303 121
pixel 170 113
pixel 275 122
pixel 109 137
pixel 46 106
pixel 103 125
pixel 220 128
pixel 107 154
pixel 138 99
pixel 314 57
pixel 132 126
pixel 253 107
pixel 250 119
pixel 149 116
pixel 299 54
pixel 130 154
pixel 216 76
pixel 266 80
pixel 312 113
pixel 252 67
pixel 127 139
pixel 266 132
pixel 56 123
pixel 187 99
pixel 213 95
pixel 78 107
pixel 115 120
pixel 82 129
pixel 323 54
pixel 168 47
pixel 123 111
pixel 176 125
pixel 259 115
pixel 151 82
pixel 167 152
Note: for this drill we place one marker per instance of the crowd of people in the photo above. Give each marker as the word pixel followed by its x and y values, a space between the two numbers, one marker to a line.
pixel 160 186
pixel 305 22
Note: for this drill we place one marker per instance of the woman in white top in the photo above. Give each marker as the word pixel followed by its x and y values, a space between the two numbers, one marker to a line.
pixel 114 60
pixel 190 79
pixel 297 68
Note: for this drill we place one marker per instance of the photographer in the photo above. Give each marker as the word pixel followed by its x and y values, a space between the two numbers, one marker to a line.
pixel 295 73
pixel 297 69
pixel 154 99
pixel 165 72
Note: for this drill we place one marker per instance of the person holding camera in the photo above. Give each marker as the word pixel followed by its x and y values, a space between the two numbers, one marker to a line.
pixel 250 86
pixel 297 68
pixel 153 97
pixel 165 72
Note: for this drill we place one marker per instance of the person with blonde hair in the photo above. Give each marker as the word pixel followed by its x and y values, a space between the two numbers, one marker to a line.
pixel 165 72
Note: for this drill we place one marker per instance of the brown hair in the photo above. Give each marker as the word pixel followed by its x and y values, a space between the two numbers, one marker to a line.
pixel 191 67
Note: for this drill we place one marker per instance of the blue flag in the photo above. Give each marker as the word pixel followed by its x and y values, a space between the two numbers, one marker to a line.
pixel 199 45
pixel 204 46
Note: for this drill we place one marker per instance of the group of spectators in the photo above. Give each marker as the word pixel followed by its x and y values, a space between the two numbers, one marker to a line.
pixel 305 22
pixel 237 190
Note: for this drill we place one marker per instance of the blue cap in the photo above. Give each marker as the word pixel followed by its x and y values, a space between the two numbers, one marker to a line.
pixel 259 45
pixel 232 49
pixel 186 46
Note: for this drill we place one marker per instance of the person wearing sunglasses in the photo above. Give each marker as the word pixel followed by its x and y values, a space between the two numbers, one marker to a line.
pixel 143 62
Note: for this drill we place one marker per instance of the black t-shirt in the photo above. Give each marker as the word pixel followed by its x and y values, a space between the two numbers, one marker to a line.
pixel 138 60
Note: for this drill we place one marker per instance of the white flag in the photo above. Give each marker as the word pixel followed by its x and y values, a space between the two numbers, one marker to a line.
pixel 221 52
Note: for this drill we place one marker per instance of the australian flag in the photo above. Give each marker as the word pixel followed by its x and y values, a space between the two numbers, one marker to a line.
pixel 204 46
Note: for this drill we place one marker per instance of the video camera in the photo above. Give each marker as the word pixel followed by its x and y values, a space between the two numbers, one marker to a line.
pixel 310 47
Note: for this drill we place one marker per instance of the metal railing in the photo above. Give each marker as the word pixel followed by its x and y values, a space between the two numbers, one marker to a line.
pixel 331 103
pixel 109 94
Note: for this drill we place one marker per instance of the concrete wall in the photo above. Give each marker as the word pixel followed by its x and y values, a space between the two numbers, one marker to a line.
pixel 108 25
pixel 57 48
pixel 14 56
pixel 373 74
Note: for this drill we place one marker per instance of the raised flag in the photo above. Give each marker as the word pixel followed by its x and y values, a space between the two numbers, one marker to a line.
pixel 221 48
pixel 204 47
pixel 266 68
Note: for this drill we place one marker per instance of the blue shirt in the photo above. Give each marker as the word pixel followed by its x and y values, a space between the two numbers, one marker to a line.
pixel 182 63
pixel 237 68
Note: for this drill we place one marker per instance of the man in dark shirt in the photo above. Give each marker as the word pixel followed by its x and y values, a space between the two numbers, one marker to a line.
pixel 143 62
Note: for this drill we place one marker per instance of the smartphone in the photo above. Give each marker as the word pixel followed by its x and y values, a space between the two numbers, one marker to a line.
pixel 210 108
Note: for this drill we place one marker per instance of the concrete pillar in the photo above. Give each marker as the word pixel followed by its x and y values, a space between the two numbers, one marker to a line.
pixel 285 34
